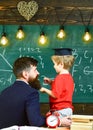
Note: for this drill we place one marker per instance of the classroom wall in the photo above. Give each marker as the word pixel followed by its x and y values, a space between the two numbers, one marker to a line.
pixel 82 70
pixel 79 108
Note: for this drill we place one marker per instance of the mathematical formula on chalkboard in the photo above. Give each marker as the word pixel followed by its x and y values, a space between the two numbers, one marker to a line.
pixel 82 70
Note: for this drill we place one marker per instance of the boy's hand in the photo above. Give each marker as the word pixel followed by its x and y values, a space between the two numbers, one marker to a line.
pixel 42 89
pixel 47 80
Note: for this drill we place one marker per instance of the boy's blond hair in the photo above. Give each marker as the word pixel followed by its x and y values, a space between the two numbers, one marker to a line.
pixel 66 60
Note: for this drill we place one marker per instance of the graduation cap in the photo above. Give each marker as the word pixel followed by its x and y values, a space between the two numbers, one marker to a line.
pixel 63 51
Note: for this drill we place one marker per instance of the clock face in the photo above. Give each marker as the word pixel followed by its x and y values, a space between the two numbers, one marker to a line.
pixel 52 121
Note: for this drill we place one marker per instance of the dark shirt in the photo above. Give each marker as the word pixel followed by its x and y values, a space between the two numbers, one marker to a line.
pixel 19 105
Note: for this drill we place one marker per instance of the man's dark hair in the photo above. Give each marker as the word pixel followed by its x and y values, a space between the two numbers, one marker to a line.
pixel 23 63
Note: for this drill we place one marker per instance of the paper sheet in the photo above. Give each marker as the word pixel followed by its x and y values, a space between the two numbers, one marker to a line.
pixel 24 128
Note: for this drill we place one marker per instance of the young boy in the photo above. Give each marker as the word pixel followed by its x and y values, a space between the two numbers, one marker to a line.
pixel 62 87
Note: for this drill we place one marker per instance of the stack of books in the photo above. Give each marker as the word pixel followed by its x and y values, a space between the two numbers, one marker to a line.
pixel 82 122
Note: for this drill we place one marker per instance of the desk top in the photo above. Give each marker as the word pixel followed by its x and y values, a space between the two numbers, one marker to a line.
pixel 33 128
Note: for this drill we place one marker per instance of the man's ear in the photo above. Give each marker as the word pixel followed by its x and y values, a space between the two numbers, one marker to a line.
pixel 25 74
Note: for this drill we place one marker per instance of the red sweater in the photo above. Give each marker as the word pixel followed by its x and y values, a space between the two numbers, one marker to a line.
pixel 63 88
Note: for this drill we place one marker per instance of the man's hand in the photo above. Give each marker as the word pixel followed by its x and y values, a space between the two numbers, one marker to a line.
pixel 66 121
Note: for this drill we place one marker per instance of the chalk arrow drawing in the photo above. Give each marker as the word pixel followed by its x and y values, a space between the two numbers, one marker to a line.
pixel 6 61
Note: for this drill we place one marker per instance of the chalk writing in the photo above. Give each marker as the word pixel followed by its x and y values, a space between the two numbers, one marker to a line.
pixel 90 87
pixel 35 50
pixel 87 70
pixel 41 63
pixel 2 56
pixel 82 71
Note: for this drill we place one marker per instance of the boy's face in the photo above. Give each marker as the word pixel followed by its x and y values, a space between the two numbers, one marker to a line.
pixel 58 67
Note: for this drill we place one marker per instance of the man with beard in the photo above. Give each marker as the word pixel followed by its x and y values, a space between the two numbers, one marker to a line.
pixel 19 103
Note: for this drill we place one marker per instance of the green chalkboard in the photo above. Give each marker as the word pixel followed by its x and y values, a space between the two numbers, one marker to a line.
pixel 82 71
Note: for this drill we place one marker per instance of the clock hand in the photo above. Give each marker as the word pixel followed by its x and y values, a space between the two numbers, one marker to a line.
pixel 52 120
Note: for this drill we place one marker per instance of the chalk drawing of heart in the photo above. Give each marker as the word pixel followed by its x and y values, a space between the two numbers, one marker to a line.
pixel 27 10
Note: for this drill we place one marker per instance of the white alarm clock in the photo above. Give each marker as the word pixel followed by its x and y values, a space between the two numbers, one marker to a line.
pixel 52 120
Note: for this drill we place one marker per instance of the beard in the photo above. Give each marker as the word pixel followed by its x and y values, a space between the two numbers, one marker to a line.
pixel 35 83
